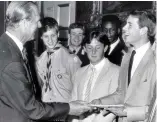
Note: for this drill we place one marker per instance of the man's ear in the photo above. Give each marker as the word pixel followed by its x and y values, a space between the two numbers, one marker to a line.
pixel 143 31
pixel 106 47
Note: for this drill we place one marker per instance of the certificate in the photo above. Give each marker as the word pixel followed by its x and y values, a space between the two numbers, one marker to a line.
pixel 107 106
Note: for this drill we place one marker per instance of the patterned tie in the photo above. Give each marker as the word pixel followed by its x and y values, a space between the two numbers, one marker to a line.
pixel 48 73
pixel 130 66
pixel 24 54
pixel 89 84
pixel 30 77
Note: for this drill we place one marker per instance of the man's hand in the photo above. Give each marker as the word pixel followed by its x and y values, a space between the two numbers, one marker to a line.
pixel 118 111
pixel 78 107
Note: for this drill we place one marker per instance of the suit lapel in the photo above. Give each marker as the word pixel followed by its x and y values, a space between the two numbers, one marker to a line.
pixel 117 48
pixel 103 72
pixel 13 45
pixel 138 73
pixel 123 76
pixel 83 79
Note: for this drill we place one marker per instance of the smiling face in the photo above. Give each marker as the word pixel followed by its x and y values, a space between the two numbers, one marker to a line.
pixel 95 51
pixel 131 31
pixel 76 37
pixel 50 38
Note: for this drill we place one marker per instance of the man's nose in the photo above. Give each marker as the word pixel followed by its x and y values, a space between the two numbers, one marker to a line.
pixel 108 34
pixel 93 51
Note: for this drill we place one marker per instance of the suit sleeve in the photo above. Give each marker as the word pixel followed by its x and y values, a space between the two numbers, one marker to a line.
pixel 141 113
pixel 18 90
pixel 115 98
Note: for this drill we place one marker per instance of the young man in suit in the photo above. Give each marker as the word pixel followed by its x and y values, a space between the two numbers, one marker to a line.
pixel 17 99
pixel 75 42
pixel 98 79
pixel 111 26
pixel 137 75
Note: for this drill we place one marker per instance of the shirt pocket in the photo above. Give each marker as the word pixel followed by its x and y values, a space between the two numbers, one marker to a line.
pixel 62 78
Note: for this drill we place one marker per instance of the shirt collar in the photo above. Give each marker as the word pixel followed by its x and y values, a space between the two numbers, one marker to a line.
pixel 115 43
pixel 16 40
pixel 72 49
pixel 143 48
pixel 98 66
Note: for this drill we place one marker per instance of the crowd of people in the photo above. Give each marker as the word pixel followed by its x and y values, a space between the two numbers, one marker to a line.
pixel 107 75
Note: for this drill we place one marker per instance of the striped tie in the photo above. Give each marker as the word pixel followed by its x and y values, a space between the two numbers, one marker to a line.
pixel 89 85
pixel 48 73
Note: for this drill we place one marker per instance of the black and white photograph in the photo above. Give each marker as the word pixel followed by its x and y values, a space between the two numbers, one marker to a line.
pixel 78 61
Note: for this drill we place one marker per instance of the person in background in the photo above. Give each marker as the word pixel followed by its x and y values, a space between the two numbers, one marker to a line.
pixel 111 26
pixel 138 73
pixel 96 80
pixel 75 42
pixel 17 98
pixel 55 66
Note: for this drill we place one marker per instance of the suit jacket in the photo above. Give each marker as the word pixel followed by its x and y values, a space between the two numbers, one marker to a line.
pixel 116 54
pixel 105 84
pixel 17 100
pixel 138 94
pixel 63 66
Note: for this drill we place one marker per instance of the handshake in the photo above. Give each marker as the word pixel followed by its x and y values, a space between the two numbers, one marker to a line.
pixel 78 108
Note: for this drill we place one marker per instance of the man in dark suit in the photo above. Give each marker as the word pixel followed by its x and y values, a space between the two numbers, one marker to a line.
pixel 75 42
pixel 17 99
pixel 111 27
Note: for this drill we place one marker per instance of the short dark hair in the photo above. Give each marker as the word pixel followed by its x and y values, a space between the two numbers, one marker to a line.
pixel 113 19
pixel 76 25
pixel 101 37
pixel 146 19
pixel 48 23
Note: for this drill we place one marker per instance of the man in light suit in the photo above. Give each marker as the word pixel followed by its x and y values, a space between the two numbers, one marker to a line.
pixel 136 95
pixel 105 79
pixel 17 99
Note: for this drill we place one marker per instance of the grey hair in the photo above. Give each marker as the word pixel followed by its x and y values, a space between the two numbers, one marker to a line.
pixel 19 10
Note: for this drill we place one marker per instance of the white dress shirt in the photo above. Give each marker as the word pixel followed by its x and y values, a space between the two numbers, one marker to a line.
pixel 140 52
pixel 112 46
pixel 98 67
pixel 16 40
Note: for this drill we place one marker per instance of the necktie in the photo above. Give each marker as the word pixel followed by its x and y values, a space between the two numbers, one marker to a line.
pixel 25 58
pixel 48 73
pixel 24 54
pixel 130 66
pixel 89 85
